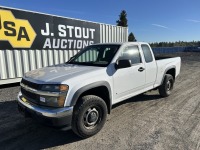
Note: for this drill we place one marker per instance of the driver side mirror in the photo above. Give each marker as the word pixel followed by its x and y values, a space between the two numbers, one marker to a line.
pixel 124 63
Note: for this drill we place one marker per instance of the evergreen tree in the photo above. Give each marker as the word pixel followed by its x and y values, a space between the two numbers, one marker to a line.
pixel 122 19
pixel 131 37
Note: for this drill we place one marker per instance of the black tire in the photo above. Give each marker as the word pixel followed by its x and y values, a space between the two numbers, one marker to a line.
pixel 89 116
pixel 167 86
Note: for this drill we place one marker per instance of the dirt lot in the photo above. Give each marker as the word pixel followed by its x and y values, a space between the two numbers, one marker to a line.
pixel 143 122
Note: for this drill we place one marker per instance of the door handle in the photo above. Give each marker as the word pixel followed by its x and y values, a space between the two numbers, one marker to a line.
pixel 141 69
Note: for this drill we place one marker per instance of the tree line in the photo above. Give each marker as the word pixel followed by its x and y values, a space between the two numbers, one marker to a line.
pixel 176 44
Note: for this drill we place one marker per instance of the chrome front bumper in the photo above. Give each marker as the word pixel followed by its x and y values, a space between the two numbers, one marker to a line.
pixel 58 116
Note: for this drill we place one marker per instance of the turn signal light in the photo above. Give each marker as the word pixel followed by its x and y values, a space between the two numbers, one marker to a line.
pixel 61 101
pixel 64 88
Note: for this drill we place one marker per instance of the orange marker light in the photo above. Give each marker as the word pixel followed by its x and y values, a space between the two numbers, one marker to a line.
pixel 61 101
pixel 64 88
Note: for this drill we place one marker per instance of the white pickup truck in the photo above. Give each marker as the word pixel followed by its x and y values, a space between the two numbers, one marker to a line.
pixel 80 93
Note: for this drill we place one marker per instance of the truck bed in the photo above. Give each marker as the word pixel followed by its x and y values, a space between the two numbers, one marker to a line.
pixel 162 57
pixel 164 62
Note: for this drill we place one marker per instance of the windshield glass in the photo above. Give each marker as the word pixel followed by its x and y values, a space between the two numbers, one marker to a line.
pixel 95 55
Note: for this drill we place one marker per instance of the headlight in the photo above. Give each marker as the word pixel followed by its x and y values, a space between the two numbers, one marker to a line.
pixel 54 101
pixel 55 88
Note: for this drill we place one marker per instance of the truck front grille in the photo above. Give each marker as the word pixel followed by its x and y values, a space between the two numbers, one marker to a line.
pixel 31 84
pixel 34 98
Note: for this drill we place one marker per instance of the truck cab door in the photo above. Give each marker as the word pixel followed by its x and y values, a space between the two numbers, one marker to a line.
pixel 150 66
pixel 128 81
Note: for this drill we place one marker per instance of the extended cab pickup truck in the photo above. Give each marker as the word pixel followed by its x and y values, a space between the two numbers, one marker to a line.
pixel 80 93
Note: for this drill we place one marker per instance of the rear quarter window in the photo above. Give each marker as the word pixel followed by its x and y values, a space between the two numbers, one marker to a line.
pixel 147 53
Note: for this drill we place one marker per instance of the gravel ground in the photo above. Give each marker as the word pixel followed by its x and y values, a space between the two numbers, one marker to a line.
pixel 143 122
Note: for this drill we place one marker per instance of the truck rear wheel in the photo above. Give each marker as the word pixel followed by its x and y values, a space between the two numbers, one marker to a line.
pixel 89 116
pixel 167 86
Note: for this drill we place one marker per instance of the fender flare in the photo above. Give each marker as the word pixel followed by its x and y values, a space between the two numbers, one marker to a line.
pixel 83 89
pixel 167 69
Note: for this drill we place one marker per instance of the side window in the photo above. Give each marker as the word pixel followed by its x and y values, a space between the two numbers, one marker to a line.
pixel 147 53
pixel 132 53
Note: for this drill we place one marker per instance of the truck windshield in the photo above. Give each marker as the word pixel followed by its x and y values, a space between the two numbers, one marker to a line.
pixel 95 55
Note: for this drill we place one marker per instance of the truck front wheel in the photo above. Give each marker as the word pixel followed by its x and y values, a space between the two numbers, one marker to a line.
pixel 89 116
pixel 167 86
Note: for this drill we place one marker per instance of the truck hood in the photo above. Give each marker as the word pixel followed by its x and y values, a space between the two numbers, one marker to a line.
pixel 59 73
